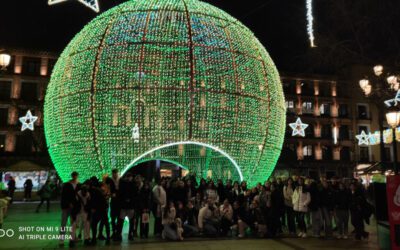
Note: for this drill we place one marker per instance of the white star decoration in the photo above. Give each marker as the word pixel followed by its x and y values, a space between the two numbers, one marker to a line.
pixel 363 138
pixel 27 121
pixel 92 4
pixel 298 128
pixel 393 102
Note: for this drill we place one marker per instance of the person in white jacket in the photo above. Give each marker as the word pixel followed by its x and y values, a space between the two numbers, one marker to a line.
pixel 301 198
pixel 159 201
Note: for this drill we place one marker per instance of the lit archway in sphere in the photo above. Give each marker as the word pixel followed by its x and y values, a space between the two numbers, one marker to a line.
pixel 183 71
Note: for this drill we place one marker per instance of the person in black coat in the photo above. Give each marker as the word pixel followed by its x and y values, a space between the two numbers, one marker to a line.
pixel 273 221
pixel 115 206
pixel 70 205
pixel 179 193
pixel 127 192
pixel 28 185
pixel 357 205
pixel 228 191
pixel 327 198
pixel 220 190
pixel 342 206
pixel 98 204
pixel 144 203
pixel 314 207
pixel 11 188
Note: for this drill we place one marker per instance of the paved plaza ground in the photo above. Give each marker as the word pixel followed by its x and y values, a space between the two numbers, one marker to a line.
pixel 21 218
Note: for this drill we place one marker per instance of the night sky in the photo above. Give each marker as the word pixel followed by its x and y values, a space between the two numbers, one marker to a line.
pixel 347 32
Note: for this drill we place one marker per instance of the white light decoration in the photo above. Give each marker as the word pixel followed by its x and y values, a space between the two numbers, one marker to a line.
pixel 310 20
pixel 335 135
pixel 374 138
pixel 393 102
pixel 27 121
pixel 363 139
pixel 92 4
pixel 135 133
pixel 298 128
pixel 137 159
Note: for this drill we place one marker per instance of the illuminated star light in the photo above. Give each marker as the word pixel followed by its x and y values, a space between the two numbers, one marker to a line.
pixel 310 20
pixel 27 121
pixel 92 4
pixel 393 102
pixel 298 128
pixel 363 139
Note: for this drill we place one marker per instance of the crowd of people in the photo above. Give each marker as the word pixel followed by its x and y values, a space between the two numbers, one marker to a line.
pixel 182 208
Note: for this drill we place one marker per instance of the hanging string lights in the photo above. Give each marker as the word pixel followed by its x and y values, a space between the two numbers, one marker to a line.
pixel 150 73
pixel 310 22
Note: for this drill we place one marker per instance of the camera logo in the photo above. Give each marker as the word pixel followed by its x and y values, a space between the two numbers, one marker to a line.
pixel 6 233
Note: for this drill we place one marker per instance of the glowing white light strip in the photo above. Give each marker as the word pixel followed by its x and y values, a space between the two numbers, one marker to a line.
pixel 335 135
pixel 92 4
pixel 185 143
pixel 310 20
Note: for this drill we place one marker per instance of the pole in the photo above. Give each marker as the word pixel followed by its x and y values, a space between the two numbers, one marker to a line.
pixel 381 144
pixel 394 143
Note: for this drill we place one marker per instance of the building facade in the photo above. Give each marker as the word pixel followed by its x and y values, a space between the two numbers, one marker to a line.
pixel 22 88
pixel 335 111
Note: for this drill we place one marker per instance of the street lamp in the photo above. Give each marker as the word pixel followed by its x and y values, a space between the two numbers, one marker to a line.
pixel 393 119
pixel 4 60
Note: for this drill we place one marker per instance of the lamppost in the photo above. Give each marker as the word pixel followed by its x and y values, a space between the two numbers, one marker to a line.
pixel 393 119
pixel 378 89
pixel 4 60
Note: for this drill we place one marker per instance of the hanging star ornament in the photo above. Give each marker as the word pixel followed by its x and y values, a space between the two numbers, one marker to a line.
pixel 27 121
pixel 92 4
pixel 298 128
pixel 363 139
pixel 393 102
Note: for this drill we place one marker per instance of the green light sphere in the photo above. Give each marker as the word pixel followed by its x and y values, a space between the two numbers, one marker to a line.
pixel 177 80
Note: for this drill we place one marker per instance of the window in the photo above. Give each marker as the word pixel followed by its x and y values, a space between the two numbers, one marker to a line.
pixel 29 91
pixel 5 90
pixel 3 116
pixel 344 133
pixel 307 108
pixel 289 87
pixel 362 111
pixel 309 131
pixel 345 154
pixel 289 104
pixel 31 65
pixel 326 131
pixel 364 154
pixel 343 111
pixel 324 89
pixel 307 88
pixel 326 152
pixel 308 152
pixel 290 107
pixel 325 109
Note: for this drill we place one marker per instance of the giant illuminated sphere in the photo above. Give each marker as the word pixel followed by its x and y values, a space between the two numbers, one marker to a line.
pixel 176 80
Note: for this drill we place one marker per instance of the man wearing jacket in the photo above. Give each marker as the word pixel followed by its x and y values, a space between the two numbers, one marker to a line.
pixel 70 205
pixel 342 206
pixel 127 193
pixel 327 197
